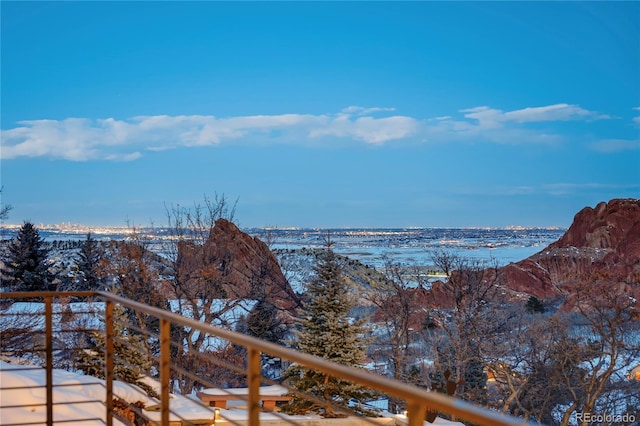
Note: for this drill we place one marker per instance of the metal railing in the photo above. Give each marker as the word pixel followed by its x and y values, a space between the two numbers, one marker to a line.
pixel 418 400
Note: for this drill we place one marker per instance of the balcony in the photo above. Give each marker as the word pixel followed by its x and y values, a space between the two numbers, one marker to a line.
pixel 48 332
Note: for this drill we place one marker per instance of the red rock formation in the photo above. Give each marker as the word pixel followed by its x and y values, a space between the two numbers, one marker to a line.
pixel 238 265
pixel 528 278
pixel 603 243
pixel 614 225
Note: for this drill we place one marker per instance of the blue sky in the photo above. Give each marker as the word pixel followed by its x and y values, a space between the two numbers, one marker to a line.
pixel 381 114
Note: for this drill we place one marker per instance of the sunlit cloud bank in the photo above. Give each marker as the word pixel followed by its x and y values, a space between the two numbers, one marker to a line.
pixel 82 139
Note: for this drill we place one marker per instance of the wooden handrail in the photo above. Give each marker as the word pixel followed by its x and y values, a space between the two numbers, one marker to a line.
pixel 418 399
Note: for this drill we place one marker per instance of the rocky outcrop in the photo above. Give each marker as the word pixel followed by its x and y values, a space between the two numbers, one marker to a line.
pixel 610 226
pixel 602 243
pixel 235 265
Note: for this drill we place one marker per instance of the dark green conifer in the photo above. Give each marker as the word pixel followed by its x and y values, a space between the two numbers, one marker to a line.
pixel 325 330
pixel 264 323
pixel 132 362
pixel 475 381
pixel 26 267
pixel 88 265
pixel 534 305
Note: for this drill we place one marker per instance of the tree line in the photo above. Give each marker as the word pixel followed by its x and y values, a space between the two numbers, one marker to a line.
pixel 519 357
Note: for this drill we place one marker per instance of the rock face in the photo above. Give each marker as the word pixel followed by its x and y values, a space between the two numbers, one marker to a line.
pixel 602 243
pixel 611 226
pixel 235 265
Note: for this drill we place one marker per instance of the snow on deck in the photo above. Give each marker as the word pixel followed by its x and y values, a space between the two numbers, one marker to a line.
pixel 23 400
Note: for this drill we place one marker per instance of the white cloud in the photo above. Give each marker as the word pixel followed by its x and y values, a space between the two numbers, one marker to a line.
pixel 486 117
pixel 368 129
pixel 487 128
pixel 486 124
pixel 557 112
pixel 357 110
pixel 71 139
pixel 490 118
pixel 82 139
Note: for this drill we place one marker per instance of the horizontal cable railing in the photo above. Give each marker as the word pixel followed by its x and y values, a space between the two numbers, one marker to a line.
pixel 41 323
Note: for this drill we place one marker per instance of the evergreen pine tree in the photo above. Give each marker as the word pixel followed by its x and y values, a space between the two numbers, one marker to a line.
pixel 131 360
pixel 88 265
pixel 263 322
pixel 534 305
pixel 4 208
pixel 26 268
pixel 466 364
pixel 325 330
pixel 475 381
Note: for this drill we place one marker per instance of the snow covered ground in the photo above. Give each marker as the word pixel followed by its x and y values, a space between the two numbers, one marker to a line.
pixel 79 399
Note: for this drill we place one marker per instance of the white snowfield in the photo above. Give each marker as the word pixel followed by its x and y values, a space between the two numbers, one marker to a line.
pixel 83 397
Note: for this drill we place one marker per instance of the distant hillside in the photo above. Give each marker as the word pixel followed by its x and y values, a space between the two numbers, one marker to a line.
pixel 603 243
pixel 298 264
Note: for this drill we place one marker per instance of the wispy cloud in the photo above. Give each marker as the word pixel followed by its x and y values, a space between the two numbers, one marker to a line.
pixel 615 145
pixel 557 112
pixel 358 110
pixel 82 139
pixel 486 124
pixel 487 117
pixel 636 119
pixel 565 188
pixel 368 129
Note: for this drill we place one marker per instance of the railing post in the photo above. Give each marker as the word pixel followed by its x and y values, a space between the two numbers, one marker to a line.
pixel 416 412
pixel 108 321
pixel 254 379
pixel 48 315
pixel 165 369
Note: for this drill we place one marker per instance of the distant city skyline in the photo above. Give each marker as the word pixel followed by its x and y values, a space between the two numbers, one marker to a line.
pixel 319 114
pixel 83 229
